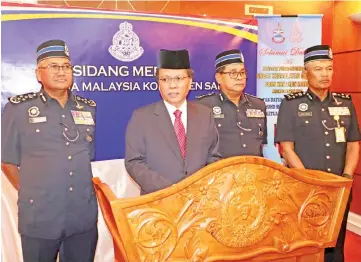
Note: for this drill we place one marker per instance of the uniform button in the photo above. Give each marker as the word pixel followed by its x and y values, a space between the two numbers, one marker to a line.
pixel 37 130
pixel 326 133
pixel 241 134
pixel 69 157
pixel 238 123
pixel 238 110
pixel 342 122
pixel 323 109
pixel 244 145
pixel 71 173
pixel 89 130
pixel 219 125
pixel 329 169
pixel 70 189
pixel 67 143
pixel 324 121
pixel 65 129
pixel 328 157
pixel 306 121
pixel 327 144
pixel 259 124
pixel 62 116
pixel 31 201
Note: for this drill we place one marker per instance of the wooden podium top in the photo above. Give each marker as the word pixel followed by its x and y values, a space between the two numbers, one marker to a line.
pixel 237 209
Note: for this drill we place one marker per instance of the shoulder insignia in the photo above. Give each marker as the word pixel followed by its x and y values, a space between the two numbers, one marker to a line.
pixel 22 98
pixel 85 100
pixel 253 96
pixel 292 96
pixel 206 95
pixel 342 95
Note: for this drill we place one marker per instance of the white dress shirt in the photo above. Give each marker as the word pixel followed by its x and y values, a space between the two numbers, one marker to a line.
pixel 183 108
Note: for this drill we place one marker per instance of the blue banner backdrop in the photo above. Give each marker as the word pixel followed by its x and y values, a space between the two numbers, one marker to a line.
pixel 115 55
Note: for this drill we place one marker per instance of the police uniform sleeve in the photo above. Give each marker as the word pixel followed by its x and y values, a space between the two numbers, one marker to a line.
pixel 265 132
pixel 10 138
pixel 353 133
pixel 284 128
pixel 213 152
pixel 92 146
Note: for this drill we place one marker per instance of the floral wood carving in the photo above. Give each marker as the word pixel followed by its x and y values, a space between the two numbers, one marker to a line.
pixel 234 207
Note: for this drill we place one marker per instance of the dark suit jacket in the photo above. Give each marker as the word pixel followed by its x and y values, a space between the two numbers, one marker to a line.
pixel 152 156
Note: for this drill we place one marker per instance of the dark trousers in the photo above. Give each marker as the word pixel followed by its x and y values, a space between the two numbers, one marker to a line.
pixel 74 248
pixel 336 254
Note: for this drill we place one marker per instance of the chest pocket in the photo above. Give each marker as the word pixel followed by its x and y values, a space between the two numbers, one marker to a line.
pixel 41 136
pixel 86 133
pixel 308 128
pixel 258 127
pixel 345 121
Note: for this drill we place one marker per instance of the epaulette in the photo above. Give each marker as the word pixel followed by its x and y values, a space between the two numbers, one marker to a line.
pixel 342 95
pixel 22 98
pixel 294 95
pixel 206 95
pixel 253 96
pixel 85 100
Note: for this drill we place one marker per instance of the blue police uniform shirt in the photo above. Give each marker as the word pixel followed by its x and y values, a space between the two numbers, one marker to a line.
pixel 242 129
pixel 309 122
pixel 54 151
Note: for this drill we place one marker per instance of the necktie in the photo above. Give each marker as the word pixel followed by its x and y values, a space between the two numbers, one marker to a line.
pixel 180 132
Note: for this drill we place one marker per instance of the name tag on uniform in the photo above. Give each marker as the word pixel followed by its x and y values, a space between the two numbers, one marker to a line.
pixel 82 118
pixel 34 120
pixel 218 116
pixel 304 114
pixel 340 111
pixel 255 113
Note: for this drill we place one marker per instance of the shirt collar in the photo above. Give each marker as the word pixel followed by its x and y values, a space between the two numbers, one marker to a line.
pixel 244 99
pixel 171 109
pixel 329 98
pixel 45 98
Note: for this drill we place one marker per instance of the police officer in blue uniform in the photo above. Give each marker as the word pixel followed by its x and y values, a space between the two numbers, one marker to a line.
pixel 240 118
pixel 47 147
pixel 318 129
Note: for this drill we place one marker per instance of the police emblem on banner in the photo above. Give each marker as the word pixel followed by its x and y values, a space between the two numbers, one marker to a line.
pixel 126 46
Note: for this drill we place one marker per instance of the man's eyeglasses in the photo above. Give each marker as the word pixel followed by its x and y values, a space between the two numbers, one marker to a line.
pixel 235 74
pixel 54 68
pixel 168 80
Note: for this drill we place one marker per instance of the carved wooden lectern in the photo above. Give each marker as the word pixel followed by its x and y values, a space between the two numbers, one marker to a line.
pixel 237 209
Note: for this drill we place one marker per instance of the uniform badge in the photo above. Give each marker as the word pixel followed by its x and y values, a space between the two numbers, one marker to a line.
pixel 255 113
pixel 89 138
pixel 340 111
pixel 66 50
pixel 82 118
pixel 78 106
pixel 303 107
pixel 217 112
pixel 33 111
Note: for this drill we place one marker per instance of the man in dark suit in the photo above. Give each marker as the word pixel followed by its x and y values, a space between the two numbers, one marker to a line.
pixel 173 138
